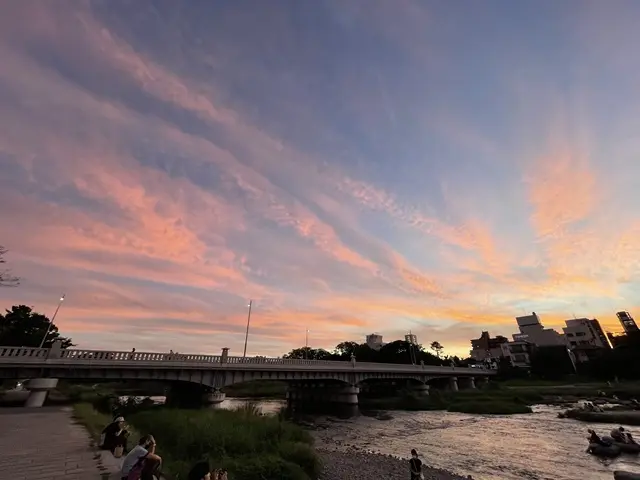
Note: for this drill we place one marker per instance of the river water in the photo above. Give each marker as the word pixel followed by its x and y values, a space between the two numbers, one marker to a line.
pixel 537 446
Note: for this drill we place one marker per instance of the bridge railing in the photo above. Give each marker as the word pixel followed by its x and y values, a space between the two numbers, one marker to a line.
pixel 114 356
pixel 13 354
pixel 24 352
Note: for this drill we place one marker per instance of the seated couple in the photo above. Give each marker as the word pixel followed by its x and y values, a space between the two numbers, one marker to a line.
pixel 142 463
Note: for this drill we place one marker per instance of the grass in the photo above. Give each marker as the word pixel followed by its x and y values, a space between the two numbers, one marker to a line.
pixel 251 446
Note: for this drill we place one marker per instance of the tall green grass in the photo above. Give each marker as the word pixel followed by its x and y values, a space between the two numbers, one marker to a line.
pixel 249 445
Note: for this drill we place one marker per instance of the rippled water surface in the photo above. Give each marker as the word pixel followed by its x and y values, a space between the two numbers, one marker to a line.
pixel 536 446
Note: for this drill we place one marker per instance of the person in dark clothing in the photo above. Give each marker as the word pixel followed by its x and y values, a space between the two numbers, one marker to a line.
pixel 200 471
pixel 416 466
pixel 595 438
pixel 115 435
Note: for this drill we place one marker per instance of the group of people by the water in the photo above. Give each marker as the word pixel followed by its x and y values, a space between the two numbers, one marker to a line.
pixel 619 435
pixel 142 462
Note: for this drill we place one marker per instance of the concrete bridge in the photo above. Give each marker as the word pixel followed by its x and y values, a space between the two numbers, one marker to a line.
pixel 324 380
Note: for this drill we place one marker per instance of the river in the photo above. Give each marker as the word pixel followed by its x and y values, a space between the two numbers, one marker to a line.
pixel 537 446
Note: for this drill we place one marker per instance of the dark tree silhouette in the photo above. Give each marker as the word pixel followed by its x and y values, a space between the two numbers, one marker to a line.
pixel 394 352
pixel 22 327
pixel 346 349
pixel 309 353
pixel 6 279
pixel 436 347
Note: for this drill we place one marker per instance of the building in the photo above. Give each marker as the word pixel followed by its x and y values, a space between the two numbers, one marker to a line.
pixel 627 322
pixel 374 341
pixel 584 332
pixel 518 352
pixel 532 331
pixel 487 349
pixel 411 338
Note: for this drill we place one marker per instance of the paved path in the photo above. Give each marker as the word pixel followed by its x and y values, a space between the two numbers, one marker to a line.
pixel 44 444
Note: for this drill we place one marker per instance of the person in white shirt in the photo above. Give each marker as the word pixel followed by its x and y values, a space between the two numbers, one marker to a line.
pixel 146 449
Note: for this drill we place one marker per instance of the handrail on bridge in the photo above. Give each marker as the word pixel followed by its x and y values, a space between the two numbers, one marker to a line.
pixel 29 354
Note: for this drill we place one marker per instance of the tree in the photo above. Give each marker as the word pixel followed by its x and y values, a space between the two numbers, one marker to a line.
pixel 309 353
pixel 436 347
pixel 346 349
pixel 6 279
pixel 22 327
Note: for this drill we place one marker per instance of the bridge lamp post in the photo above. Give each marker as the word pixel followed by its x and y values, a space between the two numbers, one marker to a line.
pixel 246 336
pixel 306 344
pixel 52 320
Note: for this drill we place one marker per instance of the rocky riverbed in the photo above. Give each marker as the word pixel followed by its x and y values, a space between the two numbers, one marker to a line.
pixel 347 465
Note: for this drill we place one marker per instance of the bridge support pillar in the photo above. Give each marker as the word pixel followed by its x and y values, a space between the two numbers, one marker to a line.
pixel 482 382
pixel 467 383
pixel 453 384
pixel 420 390
pixel 213 399
pixel 345 395
pixel 38 389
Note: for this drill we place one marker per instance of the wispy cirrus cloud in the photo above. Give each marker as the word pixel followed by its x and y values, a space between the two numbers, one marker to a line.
pixel 338 169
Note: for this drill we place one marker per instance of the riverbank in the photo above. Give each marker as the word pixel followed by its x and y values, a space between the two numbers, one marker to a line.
pixel 353 464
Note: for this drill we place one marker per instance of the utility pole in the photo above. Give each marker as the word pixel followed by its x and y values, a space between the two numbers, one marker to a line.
pixel 246 337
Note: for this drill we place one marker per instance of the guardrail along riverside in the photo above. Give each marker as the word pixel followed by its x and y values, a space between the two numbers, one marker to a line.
pixel 325 380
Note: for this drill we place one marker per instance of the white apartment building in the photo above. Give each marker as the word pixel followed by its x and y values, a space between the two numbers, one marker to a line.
pixel 374 341
pixel 585 332
pixel 532 331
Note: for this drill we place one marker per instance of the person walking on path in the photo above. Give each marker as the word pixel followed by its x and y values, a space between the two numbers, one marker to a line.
pixel 415 465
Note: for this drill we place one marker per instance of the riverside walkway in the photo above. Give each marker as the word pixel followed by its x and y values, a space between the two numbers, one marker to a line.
pixel 45 444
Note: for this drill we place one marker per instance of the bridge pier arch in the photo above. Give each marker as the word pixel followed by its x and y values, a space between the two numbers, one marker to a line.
pixel 421 390
pixel 38 390
pixel 467 383
pixel 453 384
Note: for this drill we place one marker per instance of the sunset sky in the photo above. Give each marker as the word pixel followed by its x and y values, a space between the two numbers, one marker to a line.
pixel 353 166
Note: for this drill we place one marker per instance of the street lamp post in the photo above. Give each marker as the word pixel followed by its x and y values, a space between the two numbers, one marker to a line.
pixel 51 322
pixel 246 337
pixel 306 344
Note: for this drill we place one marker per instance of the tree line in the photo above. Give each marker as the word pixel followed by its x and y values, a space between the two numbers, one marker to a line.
pixel 399 351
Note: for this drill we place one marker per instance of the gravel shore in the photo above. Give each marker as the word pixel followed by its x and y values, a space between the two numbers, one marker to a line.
pixel 354 464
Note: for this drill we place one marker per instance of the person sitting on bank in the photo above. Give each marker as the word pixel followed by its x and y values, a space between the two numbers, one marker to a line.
pixel 114 435
pixel 624 435
pixel 618 435
pixel 221 474
pixel 142 457
pixel 200 471
pixel 415 465
pixel 595 438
